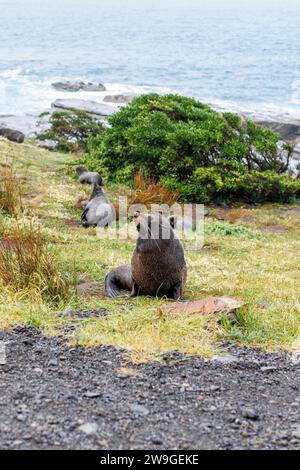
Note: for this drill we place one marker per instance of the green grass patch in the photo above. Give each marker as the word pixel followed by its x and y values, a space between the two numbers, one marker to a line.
pixel 239 260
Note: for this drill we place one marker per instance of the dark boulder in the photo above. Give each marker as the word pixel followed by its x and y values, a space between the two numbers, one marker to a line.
pixel 10 134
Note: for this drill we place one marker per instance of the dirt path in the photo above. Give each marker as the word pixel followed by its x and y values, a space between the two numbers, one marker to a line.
pixel 57 397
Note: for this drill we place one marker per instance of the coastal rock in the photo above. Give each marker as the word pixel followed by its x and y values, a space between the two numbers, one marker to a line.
pixel 78 86
pixel 48 145
pixel 97 109
pixel 13 135
pixel 287 130
pixel 119 99
pixel 28 124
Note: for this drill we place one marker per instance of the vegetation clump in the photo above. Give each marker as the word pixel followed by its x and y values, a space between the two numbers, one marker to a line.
pixel 27 264
pixel 72 129
pixel 195 151
pixel 10 192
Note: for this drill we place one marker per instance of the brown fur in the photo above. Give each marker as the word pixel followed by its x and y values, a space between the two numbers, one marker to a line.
pixel 14 136
pixel 157 267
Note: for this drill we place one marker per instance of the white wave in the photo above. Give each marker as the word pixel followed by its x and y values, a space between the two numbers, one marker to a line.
pixel 263 111
pixel 22 94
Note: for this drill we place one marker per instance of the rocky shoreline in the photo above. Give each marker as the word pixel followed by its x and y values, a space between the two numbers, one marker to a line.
pixel 30 125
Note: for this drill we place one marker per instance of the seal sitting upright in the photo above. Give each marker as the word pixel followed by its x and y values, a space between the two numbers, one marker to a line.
pixel 157 266
pixel 98 211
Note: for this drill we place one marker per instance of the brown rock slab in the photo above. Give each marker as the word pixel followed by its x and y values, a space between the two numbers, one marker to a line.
pixel 202 307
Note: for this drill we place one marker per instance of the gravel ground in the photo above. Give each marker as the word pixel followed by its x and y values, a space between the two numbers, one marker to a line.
pixel 55 397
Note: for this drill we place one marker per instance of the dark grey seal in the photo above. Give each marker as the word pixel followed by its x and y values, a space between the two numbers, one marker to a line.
pixel 14 136
pixel 98 212
pixel 157 266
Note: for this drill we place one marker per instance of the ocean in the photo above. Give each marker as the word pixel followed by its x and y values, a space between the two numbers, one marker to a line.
pixel 236 55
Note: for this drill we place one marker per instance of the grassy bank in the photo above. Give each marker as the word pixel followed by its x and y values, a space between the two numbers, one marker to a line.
pixel 253 255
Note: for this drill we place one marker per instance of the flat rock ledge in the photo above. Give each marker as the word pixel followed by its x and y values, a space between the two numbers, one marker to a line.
pixel 91 107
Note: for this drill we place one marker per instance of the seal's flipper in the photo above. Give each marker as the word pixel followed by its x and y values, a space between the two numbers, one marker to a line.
pixel 118 279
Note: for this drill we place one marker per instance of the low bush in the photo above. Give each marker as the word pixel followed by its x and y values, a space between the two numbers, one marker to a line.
pixel 211 184
pixel 203 155
pixel 71 129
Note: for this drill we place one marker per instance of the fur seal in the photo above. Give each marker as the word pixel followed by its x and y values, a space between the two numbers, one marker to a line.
pixel 157 266
pixel 14 136
pixel 98 211
pixel 88 177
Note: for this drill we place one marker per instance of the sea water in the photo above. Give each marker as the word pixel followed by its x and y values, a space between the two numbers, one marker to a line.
pixel 234 54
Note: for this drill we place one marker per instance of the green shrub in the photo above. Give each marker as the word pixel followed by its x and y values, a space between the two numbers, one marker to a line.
pixel 203 155
pixel 210 184
pixel 71 129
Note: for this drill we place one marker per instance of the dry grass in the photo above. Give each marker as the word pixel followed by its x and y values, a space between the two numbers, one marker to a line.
pixel 10 192
pixel 26 263
pixel 148 192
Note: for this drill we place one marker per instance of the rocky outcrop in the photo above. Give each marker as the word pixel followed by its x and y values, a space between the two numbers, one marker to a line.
pixel 48 144
pixel 13 135
pixel 119 99
pixel 78 86
pixel 91 107
pixel 287 130
pixel 28 124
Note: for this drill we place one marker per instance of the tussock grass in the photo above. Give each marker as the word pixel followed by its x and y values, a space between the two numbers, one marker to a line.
pixel 149 192
pixel 10 192
pixel 240 260
pixel 27 264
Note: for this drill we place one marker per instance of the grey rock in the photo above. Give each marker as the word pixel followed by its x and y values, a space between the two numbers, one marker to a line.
pixel 53 362
pixel 93 394
pixel 288 130
pixel 88 428
pixel 21 417
pixel 295 357
pixel 139 409
pixel 296 432
pixel 268 368
pixel 78 86
pixel 48 144
pixel 98 109
pixel 226 359
pixel 119 99
pixel 250 413
pixel 28 124
pixel 2 353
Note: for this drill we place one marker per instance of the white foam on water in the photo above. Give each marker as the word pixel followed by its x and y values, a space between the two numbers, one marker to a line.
pixel 25 95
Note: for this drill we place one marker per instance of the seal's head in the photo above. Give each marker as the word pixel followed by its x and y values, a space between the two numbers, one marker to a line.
pixel 80 169
pixel 154 226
